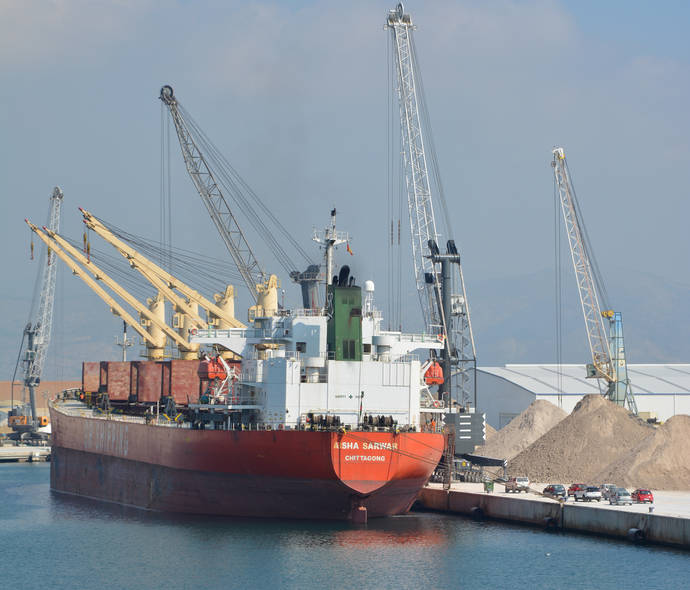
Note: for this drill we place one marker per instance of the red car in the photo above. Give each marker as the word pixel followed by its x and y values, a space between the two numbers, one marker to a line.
pixel 641 496
pixel 575 487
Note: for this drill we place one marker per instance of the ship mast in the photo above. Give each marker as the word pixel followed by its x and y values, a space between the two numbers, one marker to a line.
pixel 329 238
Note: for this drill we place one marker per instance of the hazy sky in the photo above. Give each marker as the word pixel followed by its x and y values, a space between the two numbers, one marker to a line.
pixel 295 95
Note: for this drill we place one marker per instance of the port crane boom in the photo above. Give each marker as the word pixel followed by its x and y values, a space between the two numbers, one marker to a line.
pixel 608 352
pixel 438 276
pixel 214 200
pixel 38 333
pixel 420 204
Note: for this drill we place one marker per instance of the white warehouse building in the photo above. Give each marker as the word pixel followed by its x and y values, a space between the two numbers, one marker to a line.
pixel 663 390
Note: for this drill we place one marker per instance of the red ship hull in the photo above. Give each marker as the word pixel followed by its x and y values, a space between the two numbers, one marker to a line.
pixel 274 473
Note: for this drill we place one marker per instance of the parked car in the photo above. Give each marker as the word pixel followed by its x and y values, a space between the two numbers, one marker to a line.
pixel 620 496
pixel 588 494
pixel 555 491
pixel 606 489
pixel 517 484
pixel 641 496
pixel 574 487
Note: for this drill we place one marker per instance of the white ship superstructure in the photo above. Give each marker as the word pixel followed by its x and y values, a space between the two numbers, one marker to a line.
pixel 288 371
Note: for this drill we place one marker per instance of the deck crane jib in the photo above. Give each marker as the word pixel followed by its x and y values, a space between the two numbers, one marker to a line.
pixel 438 276
pixel 214 200
pixel 155 346
pixel 224 193
pixel 606 347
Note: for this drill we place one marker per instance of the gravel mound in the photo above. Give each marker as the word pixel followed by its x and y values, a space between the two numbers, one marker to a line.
pixel 660 461
pixel 540 417
pixel 597 434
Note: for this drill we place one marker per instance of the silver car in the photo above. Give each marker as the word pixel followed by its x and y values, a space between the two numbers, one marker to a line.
pixel 620 496
pixel 607 489
pixel 588 494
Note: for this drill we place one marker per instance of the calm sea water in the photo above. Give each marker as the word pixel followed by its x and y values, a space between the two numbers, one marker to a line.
pixel 57 542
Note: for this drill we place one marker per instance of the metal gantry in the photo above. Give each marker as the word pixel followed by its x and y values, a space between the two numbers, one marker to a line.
pixel 38 332
pixel 607 351
pixel 212 197
pixel 420 204
pixel 594 320
pixel 438 277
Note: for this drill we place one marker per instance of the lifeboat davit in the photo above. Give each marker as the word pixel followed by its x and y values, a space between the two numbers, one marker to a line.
pixel 434 374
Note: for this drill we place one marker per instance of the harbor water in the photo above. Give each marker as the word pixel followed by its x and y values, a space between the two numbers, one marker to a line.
pixel 53 541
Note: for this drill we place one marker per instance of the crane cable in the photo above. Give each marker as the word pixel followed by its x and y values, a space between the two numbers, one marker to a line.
pixel 429 136
pixel 239 191
pixel 192 261
pixel 558 286
pixel 187 266
pixel 16 366
pixel 234 186
pixel 596 273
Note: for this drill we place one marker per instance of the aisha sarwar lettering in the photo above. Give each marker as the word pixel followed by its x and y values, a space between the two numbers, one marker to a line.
pixel 365 445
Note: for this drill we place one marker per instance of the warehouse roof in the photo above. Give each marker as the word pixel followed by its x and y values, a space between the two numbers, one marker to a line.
pixel 553 379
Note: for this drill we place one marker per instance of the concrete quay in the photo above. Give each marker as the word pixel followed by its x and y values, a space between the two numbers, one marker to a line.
pixel 668 523
pixel 23 453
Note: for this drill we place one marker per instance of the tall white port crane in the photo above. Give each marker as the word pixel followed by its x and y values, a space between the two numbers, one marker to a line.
pixel 36 335
pixel 606 346
pixel 438 276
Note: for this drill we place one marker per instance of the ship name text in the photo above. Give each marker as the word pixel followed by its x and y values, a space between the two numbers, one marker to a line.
pixel 366 446
pixel 364 458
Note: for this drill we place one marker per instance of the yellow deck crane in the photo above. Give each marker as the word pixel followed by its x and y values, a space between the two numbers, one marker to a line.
pixel 152 316
pixel 220 314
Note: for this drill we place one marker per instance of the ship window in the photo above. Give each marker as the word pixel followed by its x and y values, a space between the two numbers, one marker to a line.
pixel 348 349
pixel 301 346
pixel 366 348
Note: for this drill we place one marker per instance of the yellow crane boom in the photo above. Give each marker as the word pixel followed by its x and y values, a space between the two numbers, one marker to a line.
pixel 159 277
pixel 76 270
pixel 99 275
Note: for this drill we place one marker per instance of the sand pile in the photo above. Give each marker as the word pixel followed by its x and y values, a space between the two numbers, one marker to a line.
pixel 597 434
pixel 540 417
pixel 660 461
pixel 490 431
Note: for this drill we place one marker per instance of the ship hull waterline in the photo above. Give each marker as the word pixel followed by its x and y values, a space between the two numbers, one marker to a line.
pixel 274 474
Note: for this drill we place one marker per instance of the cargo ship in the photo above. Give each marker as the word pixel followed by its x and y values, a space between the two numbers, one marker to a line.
pixel 307 413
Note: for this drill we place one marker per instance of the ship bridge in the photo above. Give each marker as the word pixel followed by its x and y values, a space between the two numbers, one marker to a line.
pixel 334 362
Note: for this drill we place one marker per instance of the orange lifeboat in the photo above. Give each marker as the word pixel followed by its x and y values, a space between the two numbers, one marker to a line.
pixel 434 374
pixel 212 369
